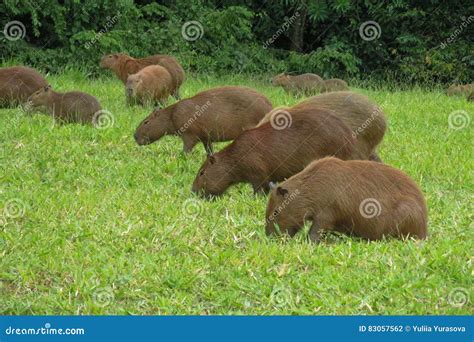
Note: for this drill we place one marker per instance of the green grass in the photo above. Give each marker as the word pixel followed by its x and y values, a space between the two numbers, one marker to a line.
pixel 110 227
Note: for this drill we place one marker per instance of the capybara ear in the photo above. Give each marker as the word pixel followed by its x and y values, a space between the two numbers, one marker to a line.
pixel 282 192
pixel 212 159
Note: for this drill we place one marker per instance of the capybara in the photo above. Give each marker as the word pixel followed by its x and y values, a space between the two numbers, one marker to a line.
pixel 334 84
pixel 363 116
pixel 18 83
pixel 306 84
pixel 218 114
pixel 151 84
pixel 123 66
pixel 73 106
pixel 460 90
pixel 276 150
pixel 362 198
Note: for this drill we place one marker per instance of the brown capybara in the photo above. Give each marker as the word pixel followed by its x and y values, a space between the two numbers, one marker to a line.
pixel 74 106
pixel 362 198
pixel 18 83
pixel 123 66
pixel 460 90
pixel 218 114
pixel 306 84
pixel 363 116
pixel 334 84
pixel 276 150
pixel 151 84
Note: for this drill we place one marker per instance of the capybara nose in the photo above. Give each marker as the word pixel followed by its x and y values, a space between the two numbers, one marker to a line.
pixel 136 138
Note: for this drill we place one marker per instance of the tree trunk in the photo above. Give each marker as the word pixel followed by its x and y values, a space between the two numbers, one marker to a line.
pixel 297 32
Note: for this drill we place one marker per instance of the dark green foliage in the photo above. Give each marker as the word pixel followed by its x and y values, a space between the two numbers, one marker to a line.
pixel 253 36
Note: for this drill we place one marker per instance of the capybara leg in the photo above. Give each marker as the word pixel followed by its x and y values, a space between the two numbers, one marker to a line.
pixel 375 157
pixel 315 232
pixel 208 147
pixel 410 220
pixel 189 142
pixel 270 228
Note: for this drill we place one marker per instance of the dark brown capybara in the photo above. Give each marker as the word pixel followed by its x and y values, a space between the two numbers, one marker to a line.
pixel 74 106
pixel 151 84
pixel 276 150
pixel 334 84
pixel 218 114
pixel 18 83
pixel 362 198
pixel 460 90
pixel 305 84
pixel 363 116
pixel 123 66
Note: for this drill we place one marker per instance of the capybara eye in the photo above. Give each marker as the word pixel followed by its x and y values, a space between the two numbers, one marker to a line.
pixel 201 173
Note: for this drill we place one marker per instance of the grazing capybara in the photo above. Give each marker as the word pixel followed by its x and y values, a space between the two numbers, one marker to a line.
pixel 276 150
pixel 151 84
pixel 123 66
pixel 218 114
pixel 334 84
pixel 18 83
pixel 74 106
pixel 363 116
pixel 362 198
pixel 460 90
pixel 306 84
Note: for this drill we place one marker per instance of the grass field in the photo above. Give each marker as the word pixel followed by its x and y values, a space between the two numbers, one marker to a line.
pixel 94 224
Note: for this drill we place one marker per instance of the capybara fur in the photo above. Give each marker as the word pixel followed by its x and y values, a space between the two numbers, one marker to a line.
pixel 273 152
pixel 361 198
pixel 123 66
pixel 218 114
pixel 18 83
pixel 73 106
pixel 305 84
pixel 460 90
pixel 151 84
pixel 363 116
pixel 334 84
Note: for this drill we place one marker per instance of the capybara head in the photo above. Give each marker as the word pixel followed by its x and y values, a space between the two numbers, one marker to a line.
pixel 280 79
pixel 284 212
pixel 155 126
pixel 214 177
pixel 40 97
pixel 133 84
pixel 109 61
